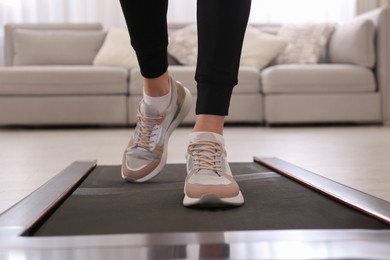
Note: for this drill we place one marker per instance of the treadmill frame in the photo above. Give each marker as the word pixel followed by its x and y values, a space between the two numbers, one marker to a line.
pixel 21 220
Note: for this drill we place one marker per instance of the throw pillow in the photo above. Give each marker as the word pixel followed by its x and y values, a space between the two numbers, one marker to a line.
pixel 183 45
pixel 116 50
pixel 354 43
pixel 306 41
pixel 56 47
pixel 258 50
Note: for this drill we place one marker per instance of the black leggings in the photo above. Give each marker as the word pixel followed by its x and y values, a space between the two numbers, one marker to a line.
pixel 221 28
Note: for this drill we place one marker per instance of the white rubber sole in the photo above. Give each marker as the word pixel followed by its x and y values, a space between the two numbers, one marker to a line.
pixel 185 109
pixel 213 201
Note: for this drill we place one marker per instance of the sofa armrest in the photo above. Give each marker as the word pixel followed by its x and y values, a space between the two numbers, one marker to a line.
pixel 381 19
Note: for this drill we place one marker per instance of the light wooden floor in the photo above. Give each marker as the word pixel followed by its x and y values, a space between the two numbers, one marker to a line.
pixel 356 156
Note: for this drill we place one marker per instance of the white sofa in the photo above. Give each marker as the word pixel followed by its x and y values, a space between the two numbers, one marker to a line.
pixel 57 85
pixel 45 82
pixel 331 92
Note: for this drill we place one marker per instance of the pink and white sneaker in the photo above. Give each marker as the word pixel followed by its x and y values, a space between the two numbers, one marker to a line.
pixel 209 181
pixel 146 153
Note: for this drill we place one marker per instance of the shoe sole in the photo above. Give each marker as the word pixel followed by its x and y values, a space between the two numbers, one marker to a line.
pixel 213 201
pixel 185 109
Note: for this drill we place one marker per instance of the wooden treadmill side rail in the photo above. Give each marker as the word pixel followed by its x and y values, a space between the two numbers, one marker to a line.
pixel 24 216
pixel 358 200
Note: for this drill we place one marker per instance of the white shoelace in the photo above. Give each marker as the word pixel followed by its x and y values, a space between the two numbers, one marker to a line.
pixel 147 126
pixel 206 156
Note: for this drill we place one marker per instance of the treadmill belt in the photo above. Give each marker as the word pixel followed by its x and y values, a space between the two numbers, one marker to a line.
pixel 105 204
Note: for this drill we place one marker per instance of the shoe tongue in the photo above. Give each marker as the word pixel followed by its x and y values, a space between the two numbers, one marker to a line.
pixel 196 137
pixel 206 136
pixel 148 110
pixel 204 151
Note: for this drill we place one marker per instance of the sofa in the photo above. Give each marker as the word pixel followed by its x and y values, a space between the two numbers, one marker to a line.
pixel 49 79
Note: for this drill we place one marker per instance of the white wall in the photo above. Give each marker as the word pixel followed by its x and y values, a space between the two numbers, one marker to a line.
pixel 277 11
pixel 284 11
pixel 182 11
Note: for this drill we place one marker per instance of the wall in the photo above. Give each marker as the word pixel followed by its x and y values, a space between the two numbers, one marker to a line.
pixel 363 6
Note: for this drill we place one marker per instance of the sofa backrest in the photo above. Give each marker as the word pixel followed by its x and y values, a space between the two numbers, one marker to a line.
pixel 172 27
pixel 52 44
pixel 271 28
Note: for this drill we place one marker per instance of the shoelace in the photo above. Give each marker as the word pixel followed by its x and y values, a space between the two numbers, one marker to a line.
pixel 145 131
pixel 205 155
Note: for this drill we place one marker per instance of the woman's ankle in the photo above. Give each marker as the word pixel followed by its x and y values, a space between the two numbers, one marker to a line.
pixel 209 123
pixel 157 87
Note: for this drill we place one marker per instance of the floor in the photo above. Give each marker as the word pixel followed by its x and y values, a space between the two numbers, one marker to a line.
pixel 355 156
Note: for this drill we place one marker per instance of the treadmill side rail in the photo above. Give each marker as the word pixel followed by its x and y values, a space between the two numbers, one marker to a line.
pixel 24 216
pixel 358 200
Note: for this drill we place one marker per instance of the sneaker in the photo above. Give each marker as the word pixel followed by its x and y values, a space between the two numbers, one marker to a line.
pixel 209 181
pixel 146 153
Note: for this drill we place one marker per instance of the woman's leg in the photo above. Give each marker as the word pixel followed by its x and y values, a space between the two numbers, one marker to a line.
pixel 147 24
pixel 165 102
pixel 221 29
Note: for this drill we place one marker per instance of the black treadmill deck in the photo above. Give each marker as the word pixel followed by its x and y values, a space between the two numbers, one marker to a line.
pixel 105 204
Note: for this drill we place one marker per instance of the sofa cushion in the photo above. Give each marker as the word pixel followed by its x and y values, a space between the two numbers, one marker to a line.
pixel 306 42
pixel 317 78
pixel 259 48
pixel 116 50
pixel 62 80
pixel 52 47
pixel 320 108
pixel 354 43
pixel 10 28
pixel 183 45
